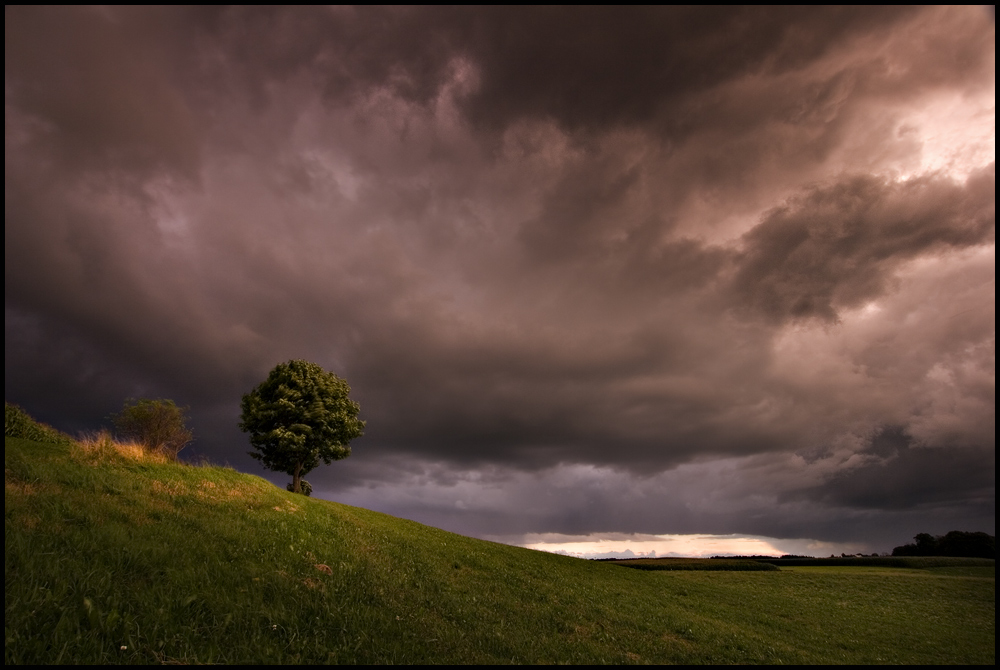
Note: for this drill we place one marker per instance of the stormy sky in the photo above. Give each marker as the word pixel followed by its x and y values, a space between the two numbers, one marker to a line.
pixel 588 271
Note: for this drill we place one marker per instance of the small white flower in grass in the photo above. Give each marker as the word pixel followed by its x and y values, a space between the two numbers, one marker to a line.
pixel 124 647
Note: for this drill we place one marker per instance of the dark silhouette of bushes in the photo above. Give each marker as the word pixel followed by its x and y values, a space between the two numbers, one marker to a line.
pixel 306 487
pixel 914 562
pixel 955 543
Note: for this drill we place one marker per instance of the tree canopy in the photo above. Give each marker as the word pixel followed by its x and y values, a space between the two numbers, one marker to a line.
pixel 955 543
pixel 300 415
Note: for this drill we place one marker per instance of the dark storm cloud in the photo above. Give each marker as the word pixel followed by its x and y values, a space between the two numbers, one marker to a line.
pixel 590 67
pixel 100 88
pixel 135 88
pixel 838 246
pixel 594 67
pixel 48 365
pixel 581 249
pixel 900 475
pixel 583 500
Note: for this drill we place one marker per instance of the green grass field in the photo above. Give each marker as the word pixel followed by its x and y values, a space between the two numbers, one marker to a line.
pixel 113 556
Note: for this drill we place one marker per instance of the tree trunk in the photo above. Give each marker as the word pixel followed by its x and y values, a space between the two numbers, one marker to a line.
pixel 297 479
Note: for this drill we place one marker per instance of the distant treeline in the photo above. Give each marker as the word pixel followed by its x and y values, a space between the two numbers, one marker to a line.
pixel 916 562
pixel 691 564
pixel 773 563
pixel 955 543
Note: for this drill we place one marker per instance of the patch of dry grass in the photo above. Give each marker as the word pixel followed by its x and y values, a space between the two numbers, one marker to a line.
pixel 101 446
pixel 172 488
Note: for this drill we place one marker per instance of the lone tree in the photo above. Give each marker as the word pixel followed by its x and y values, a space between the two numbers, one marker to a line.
pixel 299 415
pixel 158 425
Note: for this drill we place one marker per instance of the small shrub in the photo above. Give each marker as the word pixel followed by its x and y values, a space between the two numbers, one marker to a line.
pixel 306 487
pixel 156 424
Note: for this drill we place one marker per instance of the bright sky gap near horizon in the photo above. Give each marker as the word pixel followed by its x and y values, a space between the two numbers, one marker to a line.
pixel 600 278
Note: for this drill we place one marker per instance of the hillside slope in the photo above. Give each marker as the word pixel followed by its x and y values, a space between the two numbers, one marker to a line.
pixel 113 556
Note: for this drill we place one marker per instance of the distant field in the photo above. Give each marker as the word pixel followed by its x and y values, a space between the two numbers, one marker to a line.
pixel 112 557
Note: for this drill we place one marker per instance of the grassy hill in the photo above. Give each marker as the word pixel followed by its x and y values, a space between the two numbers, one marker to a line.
pixel 113 555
